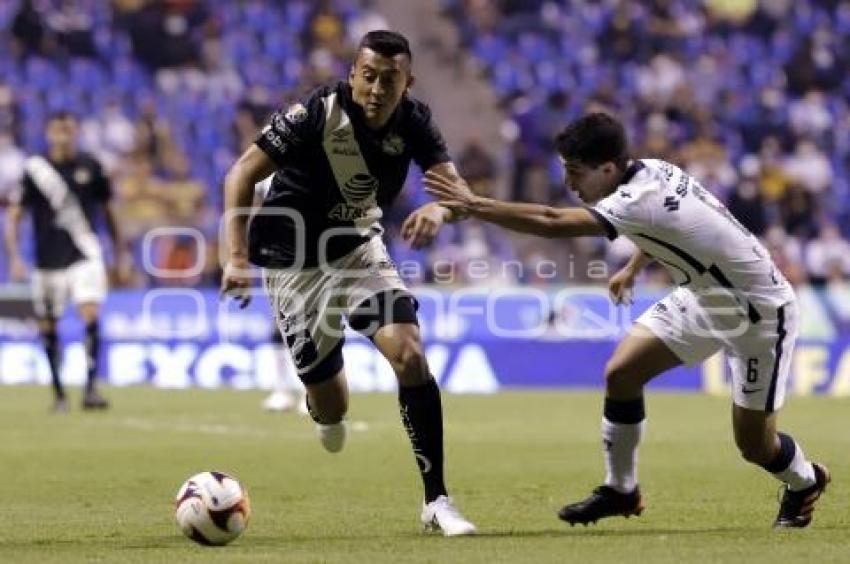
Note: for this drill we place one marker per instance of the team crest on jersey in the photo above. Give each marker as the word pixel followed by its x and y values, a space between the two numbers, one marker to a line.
pixel 393 145
pixel 296 113
pixel 82 175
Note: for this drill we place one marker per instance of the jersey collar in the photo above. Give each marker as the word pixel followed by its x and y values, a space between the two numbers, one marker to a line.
pixel 356 114
pixel 634 167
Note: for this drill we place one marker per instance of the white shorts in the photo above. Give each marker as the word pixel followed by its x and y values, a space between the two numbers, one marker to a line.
pixel 759 353
pixel 309 304
pixel 84 281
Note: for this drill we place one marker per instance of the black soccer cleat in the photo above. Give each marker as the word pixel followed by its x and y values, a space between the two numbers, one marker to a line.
pixel 94 401
pixel 796 508
pixel 605 501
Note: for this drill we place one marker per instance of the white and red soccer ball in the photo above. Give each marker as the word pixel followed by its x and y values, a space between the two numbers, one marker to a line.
pixel 212 508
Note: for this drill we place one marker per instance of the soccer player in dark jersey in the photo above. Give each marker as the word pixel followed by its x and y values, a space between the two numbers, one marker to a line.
pixel 338 160
pixel 65 191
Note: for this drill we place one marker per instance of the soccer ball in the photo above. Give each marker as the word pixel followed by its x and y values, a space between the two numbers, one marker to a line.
pixel 212 508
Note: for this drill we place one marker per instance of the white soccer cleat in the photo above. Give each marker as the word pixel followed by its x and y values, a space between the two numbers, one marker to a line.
pixel 442 515
pixel 332 436
pixel 281 401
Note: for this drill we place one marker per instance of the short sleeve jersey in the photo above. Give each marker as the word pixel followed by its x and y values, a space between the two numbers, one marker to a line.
pixel 669 215
pixel 335 174
pixel 64 199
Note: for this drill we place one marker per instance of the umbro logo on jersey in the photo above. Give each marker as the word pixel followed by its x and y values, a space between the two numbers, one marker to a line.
pixel 340 135
pixel 671 203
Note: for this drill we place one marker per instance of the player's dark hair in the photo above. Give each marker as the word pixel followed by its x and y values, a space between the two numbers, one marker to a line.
pixel 594 139
pixel 60 115
pixel 386 43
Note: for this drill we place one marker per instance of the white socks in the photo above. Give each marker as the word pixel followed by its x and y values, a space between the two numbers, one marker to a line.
pixel 621 441
pixel 800 474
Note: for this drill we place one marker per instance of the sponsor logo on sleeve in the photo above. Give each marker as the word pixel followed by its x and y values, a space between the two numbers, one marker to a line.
pixel 296 113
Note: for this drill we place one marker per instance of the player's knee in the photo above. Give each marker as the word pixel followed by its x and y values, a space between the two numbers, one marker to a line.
pixel 408 361
pixel 618 376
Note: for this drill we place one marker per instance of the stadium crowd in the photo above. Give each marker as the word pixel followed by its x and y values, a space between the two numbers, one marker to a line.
pixel 751 97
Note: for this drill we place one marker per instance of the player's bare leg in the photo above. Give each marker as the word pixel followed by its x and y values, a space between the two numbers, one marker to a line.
pixel 422 416
pixel 327 403
pixel 50 338
pixel 778 453
pixel 639 358
pixel 90 313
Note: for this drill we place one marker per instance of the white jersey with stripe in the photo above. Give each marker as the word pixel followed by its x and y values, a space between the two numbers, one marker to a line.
pixel 670 216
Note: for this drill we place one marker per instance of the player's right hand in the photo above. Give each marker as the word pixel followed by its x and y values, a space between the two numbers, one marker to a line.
pixel 620 286
pixel 17 269
pixel 236 281
pixel 452 193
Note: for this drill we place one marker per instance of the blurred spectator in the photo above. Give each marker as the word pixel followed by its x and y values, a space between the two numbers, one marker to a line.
pixel 799 212
pixel 9 112
pixel 747 205
pixel 810 116
pixel 477 167
pixel 809 167
pixel 153 135
pixel 162 32
pixel 109 135
pixel 11 167
pixel 73 28
pixel 368 19
pixel 29 31
pixel 827 256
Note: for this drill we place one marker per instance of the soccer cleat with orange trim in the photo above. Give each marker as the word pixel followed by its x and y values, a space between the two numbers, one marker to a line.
pixel 796 508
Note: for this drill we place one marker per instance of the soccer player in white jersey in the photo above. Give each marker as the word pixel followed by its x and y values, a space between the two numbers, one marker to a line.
pixel 730 296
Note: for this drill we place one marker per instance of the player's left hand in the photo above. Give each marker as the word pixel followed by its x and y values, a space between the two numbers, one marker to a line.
pixel 620 286
pixel 421 226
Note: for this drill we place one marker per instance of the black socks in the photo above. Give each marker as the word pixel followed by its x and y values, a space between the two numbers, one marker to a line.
pixel 422 416
pixel 51 347
pixel 92 344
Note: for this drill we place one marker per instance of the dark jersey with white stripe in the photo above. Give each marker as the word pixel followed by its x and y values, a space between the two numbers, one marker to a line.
pixel 64 199
pixel 335 175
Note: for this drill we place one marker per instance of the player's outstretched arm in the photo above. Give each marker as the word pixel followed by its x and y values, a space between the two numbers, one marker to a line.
pixel 253 166
pixel 535 219
pixel 17 269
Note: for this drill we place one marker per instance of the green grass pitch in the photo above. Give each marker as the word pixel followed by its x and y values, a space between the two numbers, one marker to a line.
pixel 99 487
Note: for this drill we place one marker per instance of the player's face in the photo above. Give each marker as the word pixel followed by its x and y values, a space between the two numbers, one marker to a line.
pixel 378 83
pixel 62 132
pixel 591 183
